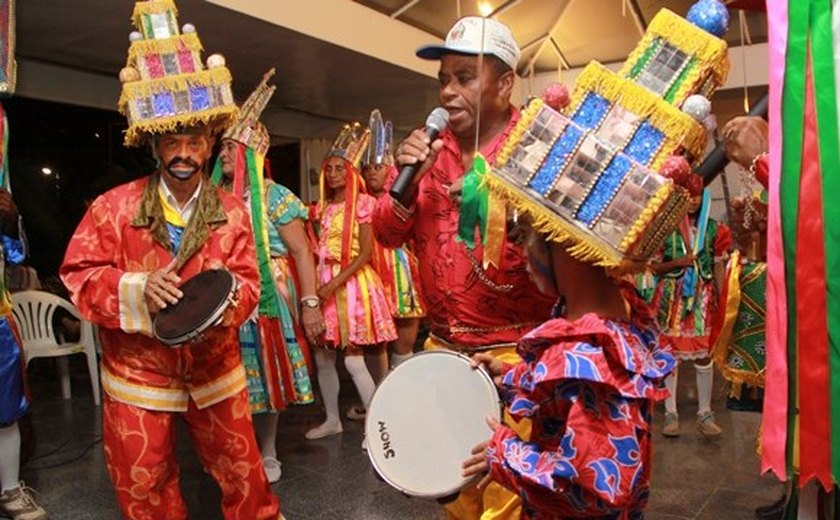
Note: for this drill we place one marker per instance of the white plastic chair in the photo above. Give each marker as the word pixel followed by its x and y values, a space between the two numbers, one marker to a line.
pixel 33 311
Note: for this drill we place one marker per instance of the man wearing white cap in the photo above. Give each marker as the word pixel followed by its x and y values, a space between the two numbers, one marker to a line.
pixel 470 308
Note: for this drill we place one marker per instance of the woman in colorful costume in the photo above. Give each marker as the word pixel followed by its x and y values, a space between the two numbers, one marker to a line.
pixel 355 308
pixel 689 272
pixel 275 342
pixel 589 378
pixel 740 347
pixel 397 267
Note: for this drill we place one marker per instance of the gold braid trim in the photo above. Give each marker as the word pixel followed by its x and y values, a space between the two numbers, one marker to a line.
pixel 141 48
pixel 581 244
pixel 525 119
pixel 178 82
pixel 679 128
pixel 214 118
pixel 151 7
pixel 709 50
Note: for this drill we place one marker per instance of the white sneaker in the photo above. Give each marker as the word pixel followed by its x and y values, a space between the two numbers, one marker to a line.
pixel 273 469
pixel 356 413
pixel 19 504
pixel 324 430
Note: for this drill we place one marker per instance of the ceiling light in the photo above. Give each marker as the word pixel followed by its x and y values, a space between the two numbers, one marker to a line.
pixel 46 170
pixel 485 8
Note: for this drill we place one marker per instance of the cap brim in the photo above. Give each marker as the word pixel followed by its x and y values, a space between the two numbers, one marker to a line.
pixel 435 52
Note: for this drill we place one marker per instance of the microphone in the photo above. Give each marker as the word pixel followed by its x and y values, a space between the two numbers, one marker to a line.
pixel 435 124
pixel 716 161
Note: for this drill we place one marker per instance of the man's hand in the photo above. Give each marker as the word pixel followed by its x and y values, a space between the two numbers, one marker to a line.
pixel 477 463
pixel 493 366
pixel 745 138
pixel 418 149
pixel 161 289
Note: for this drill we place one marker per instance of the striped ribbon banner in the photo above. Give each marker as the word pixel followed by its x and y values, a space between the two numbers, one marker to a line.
pixel 801 419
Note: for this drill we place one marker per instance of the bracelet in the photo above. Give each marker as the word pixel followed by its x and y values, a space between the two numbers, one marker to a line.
pixel 315 299
pixel 755 160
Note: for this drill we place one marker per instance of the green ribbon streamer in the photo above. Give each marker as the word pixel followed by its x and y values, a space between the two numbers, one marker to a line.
pixel 825 96
pixel 475 200
pixel 269 305
pixel 793 107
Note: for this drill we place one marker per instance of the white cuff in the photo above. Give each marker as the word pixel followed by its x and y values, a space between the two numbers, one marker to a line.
pixel 134 314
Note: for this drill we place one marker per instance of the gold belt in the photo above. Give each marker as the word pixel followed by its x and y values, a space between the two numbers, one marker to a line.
pixel 436 342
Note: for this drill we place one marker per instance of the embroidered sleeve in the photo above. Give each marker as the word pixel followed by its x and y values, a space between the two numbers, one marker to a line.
pixel 241 260
pixel 284 206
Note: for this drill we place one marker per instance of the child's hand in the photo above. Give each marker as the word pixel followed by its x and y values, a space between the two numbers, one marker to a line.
pixel 327 290
pixel 477 463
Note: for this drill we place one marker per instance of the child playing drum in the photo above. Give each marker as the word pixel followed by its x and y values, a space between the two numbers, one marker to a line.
pixel 355 309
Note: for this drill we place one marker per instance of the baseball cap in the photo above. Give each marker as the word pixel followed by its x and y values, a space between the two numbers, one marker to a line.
pixel 465 38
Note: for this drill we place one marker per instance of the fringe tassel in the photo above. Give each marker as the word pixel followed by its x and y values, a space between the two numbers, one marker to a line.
pixel 138 131
pixel 668 119
pixel 152 7
pixel 581 244
pixel 710 51
pixel 525 119
pixel 145 88
pixel 141 48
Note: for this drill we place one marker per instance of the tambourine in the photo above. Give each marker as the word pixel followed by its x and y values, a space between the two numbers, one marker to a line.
pixel 206 297
pixel 424 420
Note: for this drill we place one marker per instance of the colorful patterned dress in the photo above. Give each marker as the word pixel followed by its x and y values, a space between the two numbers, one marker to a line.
pixel 357 313
pixel 282 207
pixel 400 280
pixel 741 347
pixel 686 299
pixel 588 386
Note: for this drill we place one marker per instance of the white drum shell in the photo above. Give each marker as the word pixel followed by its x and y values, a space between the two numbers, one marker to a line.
pixel 425 418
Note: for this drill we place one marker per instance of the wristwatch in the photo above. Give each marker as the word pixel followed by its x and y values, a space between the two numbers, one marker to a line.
pixel 310 302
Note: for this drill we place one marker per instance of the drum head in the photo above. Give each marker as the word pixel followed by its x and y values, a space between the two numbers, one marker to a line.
pixel 424 419
pixel 205 299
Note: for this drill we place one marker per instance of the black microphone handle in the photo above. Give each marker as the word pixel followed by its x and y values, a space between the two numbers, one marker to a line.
pixel 402 184
pixel 716 161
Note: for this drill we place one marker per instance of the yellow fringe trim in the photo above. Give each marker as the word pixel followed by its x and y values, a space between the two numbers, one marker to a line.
pixel 580 243
pixel 163 46
pixel 525 119
pixel 709 50
pixel 213 117
pixel 151 7
pixel 637 230
pixel 176 83
pixel 680 129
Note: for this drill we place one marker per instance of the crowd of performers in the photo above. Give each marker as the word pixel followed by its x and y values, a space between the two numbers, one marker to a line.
pixel 357 272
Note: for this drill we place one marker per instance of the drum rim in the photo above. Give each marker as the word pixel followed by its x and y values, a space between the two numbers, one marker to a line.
pixel 211 319
pixel 487 378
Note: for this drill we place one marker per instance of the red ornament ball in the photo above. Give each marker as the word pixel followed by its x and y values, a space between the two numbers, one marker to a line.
pixel 556 95
pixel 677 169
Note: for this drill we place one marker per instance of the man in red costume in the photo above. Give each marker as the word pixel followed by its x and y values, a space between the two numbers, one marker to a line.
pixel 469 307
pixel 132 249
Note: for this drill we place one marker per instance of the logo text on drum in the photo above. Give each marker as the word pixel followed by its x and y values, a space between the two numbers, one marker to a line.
pixel 385 437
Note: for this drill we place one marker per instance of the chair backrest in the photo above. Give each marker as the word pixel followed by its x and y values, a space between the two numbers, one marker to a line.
pixel 34 310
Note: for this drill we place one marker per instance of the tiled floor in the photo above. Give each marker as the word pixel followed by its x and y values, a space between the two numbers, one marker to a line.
pixel 332 479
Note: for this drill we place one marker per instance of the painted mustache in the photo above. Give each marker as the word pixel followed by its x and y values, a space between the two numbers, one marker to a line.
pixel 184 161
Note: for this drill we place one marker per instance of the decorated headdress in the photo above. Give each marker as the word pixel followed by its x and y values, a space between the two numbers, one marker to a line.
pixel 165 85
pixel 380 150
pixel 350 145
pixel 610 179
pixel 247 129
